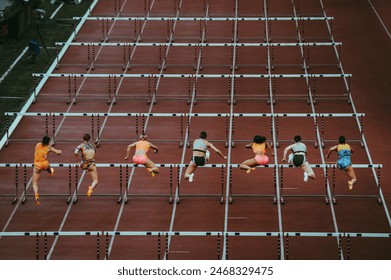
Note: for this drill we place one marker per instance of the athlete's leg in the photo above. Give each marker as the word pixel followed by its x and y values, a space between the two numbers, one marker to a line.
pixel 351 175
pixel 190 170
pixel 153 170
pixel 248 165
pixel 36 177
pixel 94 176
pixel 308 172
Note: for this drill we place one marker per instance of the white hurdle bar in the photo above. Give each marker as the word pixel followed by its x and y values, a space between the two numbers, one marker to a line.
pixel 106 44
pixel 198 233
pixel 251 115
pixel 205 19
pixel 162 237
pixel 87 75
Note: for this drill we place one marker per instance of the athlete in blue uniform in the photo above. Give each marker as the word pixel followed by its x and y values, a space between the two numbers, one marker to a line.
pixel 344 163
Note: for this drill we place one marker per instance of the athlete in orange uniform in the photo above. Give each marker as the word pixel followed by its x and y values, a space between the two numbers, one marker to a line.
pixel 140 157
pixel 41 163
pixel 344 163
pixel 259 146
pixel 87 162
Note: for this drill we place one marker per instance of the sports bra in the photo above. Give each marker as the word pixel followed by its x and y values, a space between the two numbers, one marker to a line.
pixel 199 145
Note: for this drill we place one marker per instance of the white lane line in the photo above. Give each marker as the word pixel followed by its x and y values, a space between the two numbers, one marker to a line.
pixel 381 21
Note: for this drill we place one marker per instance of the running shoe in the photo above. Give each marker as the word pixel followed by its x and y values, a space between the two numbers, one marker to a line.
pixel 51 171
pixel 350 185
pixel 305 176
pixel 151 172
pixel 89 192
pixel 191 177
pixel 37 199
pixel 250 170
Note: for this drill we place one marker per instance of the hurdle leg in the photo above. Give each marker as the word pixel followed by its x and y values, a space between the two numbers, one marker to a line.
pixel 316 130
pixel 340 256
pixel 69 184
pixel 120 185
pixel 275 185
pixel 53 130
pixel 69 89
pixel 7 131
pixel 74 89
pixel 107 246
pixel 230 185
pixel 178 200
pixel 282 185
pixel 333 188
pixel 16 184
pixel 76 183
pixel 222 185
pixel 379 200
pixel 218 247
pixel 166 251
pixel 322 131
pixel 182 136
pixel 24 198
pixel 45 247
pixel 158 246
pixel 226 246
pixel 362 131
pixel 97 246
pixel 325 183
pixel 171 196
pixel 287 246
pixel 127 184
pixel 37 246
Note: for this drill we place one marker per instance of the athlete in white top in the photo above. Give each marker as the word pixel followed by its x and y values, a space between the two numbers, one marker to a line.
pixel 298 157
pixel 200 155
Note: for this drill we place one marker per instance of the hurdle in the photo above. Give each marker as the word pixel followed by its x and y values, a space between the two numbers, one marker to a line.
pixel 140 119
pixel 231 192
pixel 322 126
pixel 378 168
pixel 325 195
pixel 153 94
pixel 16 194
pixel 322 129
pixel 342 238
pixel 127 179
pixel 138 21
pixel 68 195
pixel 199 49
pixel 221 195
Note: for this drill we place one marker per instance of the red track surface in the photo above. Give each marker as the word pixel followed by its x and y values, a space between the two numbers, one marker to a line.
pixel 364 54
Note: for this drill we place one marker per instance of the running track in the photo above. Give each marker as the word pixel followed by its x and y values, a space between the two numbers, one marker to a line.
pixel 301 226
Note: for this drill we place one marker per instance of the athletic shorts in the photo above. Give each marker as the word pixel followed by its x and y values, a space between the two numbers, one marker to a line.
pixel 343 163
pixel 140 159
pixel 42 165
pixel 298 160
pixel 199 160
pixel 262 159
pixel 85 164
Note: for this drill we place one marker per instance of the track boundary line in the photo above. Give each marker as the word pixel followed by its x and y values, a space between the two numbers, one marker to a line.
pixel 380 19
